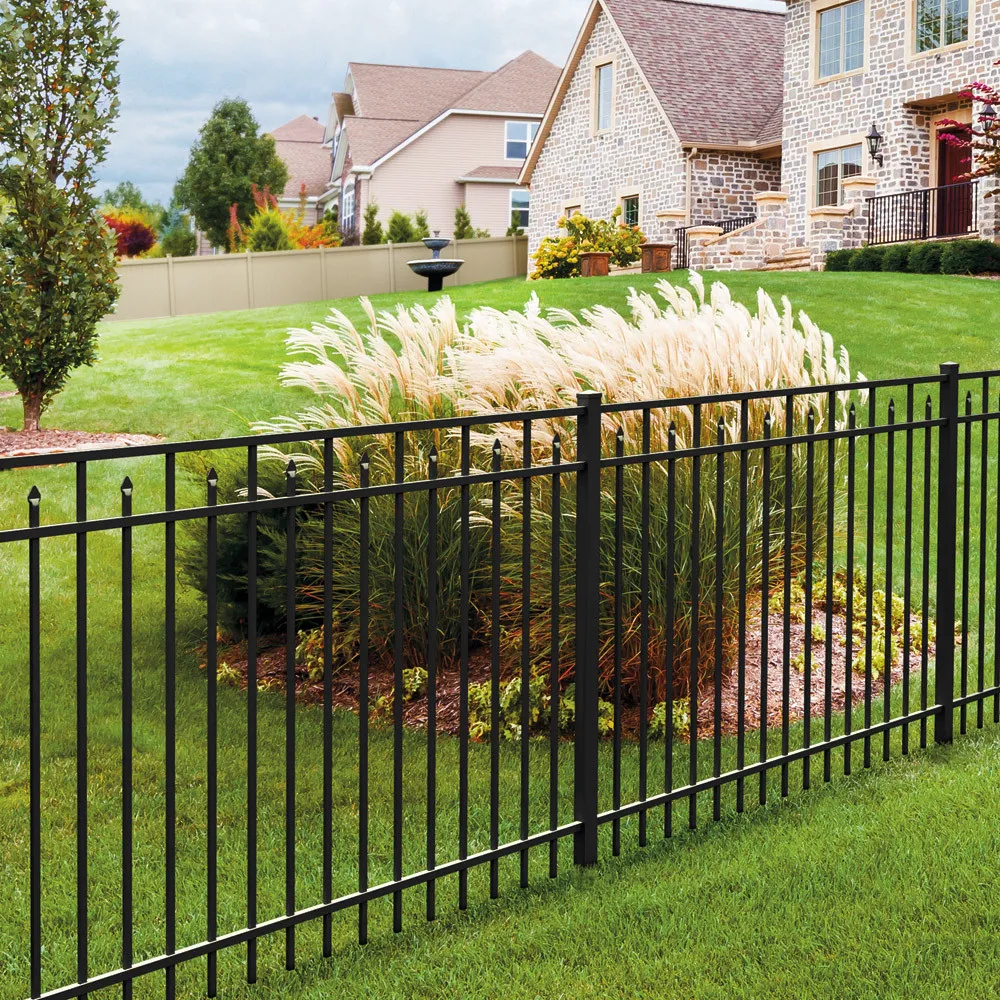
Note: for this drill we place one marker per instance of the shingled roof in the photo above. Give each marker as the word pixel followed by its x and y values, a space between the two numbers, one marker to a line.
pixel 299 143
pixel 392 103
pixel 716 71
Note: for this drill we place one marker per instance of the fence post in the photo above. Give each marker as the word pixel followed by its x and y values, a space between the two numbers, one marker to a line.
pixel 588 535
pixel 947 533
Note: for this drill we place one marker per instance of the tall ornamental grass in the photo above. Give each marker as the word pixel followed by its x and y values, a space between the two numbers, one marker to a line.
pixel 418 364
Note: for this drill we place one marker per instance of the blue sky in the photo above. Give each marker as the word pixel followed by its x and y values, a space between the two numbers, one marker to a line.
pixel 179 57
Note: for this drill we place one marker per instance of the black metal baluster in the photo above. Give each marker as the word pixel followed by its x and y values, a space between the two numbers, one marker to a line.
pixel 741 656
pixel 926 574
pixel 463 696
pixel 495 678
pixel 807 638
pixel 966 558
pixel 554 658
pixel 831 468
pixel 170 710
pixel 616 779
pixel 765 595
pixel 327 697
pixel 364 554
pixel 252 682
pixel 397 695
pixel 852 450
pixel 720 539
pixel 525 647
pixel 668 739
pixel 890 460
pixel 290 635
pixel 212 735
pixel 127 810
pixel 644 633
pixel 786 632
pixel 983 496
pixel 869 575
pixel 907 567
pixel 82 864
pixel 432 666
pixel 695 613
pixel 996 600
pixel 35 745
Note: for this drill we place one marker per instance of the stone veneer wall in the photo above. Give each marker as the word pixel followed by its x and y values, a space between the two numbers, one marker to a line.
pixel 723 184
pixel 891 78
pixel 641 153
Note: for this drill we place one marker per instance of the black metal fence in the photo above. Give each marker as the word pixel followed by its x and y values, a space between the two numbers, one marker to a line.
pixel 923 214
pixel 727 226
pixel 698 573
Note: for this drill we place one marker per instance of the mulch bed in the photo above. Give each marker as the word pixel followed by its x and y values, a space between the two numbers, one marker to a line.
pixel 16 444
pixel 271 675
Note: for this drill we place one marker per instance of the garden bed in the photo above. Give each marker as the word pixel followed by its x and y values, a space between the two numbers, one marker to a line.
pixel 14 444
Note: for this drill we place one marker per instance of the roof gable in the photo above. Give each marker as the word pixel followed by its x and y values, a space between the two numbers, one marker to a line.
pixel 410 93
pixel 301 129
pixel 523 85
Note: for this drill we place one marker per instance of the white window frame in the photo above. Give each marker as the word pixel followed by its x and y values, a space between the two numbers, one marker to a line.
pixel 350 199
pixel 512 208
pixel 816 203
pixel 841 71
pixel 599 66
pixel 530 130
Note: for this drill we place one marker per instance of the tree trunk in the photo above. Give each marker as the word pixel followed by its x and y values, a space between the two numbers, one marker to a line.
pixel 32 412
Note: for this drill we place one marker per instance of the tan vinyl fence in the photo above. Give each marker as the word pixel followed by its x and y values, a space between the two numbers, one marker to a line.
pixel 183 286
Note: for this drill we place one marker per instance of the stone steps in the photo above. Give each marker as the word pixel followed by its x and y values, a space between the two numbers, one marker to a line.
pixel 798 259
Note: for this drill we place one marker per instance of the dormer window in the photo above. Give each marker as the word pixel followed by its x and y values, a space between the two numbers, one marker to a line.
pixel 519 137
pixel 940 23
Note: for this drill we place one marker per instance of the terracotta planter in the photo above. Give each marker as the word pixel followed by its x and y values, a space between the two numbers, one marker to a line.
pixel 657 257
pixel 595 264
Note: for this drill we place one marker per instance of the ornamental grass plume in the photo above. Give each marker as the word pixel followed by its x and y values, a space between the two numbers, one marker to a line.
pixel 421 364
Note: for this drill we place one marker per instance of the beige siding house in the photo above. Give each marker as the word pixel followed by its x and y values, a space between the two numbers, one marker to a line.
pixel 761 140
pixel 411 139
pixel 302 145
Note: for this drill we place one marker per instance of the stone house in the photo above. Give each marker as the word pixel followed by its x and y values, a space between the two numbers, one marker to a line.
pixel 744 135
pixel 410 138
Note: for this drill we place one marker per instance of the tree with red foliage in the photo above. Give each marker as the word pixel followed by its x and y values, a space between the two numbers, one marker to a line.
pixel 983 136
pixel 134 235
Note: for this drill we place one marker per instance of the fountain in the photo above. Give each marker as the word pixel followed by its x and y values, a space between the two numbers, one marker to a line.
pixel 437 268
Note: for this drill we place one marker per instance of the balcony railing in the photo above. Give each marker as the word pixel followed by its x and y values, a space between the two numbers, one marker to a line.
pixel 924 214
pixel 727 226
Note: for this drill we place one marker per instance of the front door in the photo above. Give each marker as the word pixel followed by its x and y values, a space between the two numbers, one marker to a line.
pixel 954 203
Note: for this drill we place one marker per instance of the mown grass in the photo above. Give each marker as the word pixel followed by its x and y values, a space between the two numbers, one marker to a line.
pixel 880 886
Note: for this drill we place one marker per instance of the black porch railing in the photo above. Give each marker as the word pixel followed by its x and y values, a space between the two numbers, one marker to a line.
pixel 924 214
pixel 727 226
pixel 244 844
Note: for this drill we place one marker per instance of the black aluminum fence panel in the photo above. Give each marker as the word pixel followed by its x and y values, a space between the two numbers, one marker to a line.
pixel 727 226
pixel 761 588
pixel 924 214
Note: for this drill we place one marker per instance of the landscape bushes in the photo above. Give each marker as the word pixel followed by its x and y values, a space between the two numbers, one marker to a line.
pixel 559 256
pixel 415 364
pixel 955 257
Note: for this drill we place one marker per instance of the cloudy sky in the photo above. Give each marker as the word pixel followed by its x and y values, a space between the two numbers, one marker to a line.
pixel 180 57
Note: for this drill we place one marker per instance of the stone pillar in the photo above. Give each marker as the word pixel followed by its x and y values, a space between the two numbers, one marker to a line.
pixel 670 221
pixel 989 208
pixel 839 227
pixel 698 238
pixel 772 210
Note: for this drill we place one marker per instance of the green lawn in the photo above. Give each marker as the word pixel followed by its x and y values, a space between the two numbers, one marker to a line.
pixel 880 886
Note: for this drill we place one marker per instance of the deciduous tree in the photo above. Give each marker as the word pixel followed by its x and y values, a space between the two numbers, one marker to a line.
pixel 58 100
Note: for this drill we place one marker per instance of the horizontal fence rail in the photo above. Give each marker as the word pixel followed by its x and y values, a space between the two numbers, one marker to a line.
pixel 727 226
pixel 511 632
pixel 924 214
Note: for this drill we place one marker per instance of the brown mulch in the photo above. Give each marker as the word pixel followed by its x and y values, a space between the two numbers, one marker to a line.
pixel 271 675
pixel 16 444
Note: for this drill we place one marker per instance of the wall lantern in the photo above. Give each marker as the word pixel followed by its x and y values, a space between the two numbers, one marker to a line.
pixel 988 118
pixel 875 140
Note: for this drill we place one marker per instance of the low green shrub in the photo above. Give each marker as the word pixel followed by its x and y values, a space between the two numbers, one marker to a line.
pixel 840 260
pixel 400 228
pixel 559 256
pixel 970 257
pixel 268 232
pixel 868 258
pixel 897 257
pixel 925 258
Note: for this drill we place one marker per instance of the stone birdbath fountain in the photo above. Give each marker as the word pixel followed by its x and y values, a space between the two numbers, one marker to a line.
pixel 437 268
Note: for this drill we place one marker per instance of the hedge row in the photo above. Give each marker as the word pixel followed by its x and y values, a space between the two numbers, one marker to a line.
pixel 958 257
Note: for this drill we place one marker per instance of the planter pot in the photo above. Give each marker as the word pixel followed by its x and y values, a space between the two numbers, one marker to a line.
pixel 657 257
pixel 595 264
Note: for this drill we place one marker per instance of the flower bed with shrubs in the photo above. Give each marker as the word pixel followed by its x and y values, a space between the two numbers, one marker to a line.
pixel 954 257
pixel 559 256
